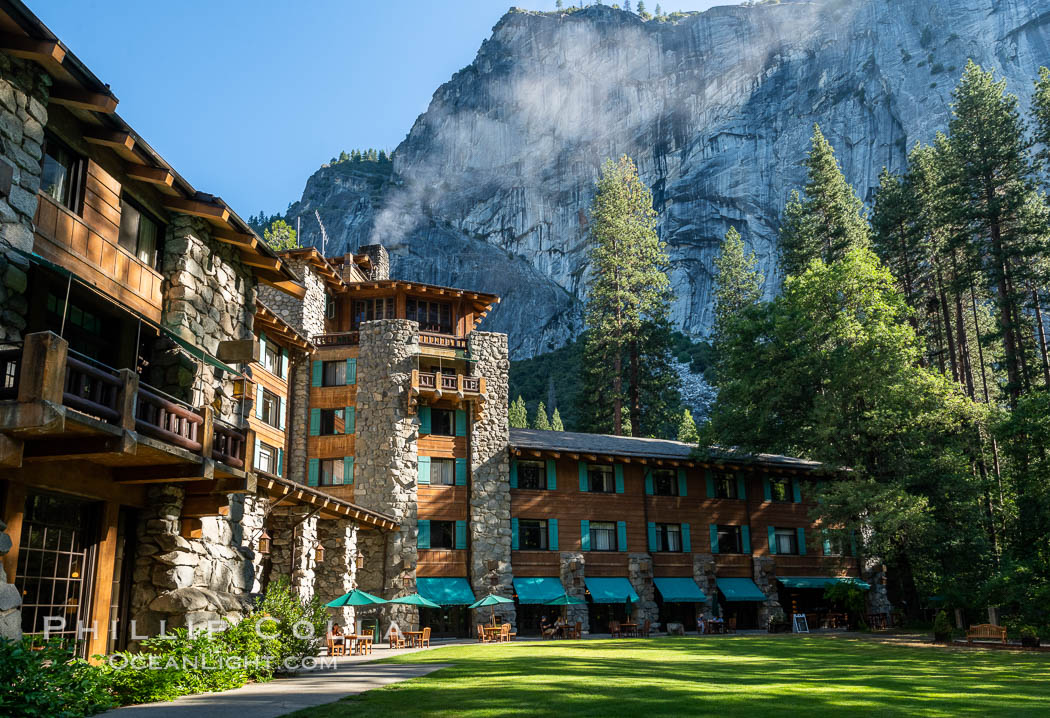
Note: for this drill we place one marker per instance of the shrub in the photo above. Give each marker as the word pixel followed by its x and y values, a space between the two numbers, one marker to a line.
pixel 942 627
pixel 281 604
pixel 852 598
pixel 47 681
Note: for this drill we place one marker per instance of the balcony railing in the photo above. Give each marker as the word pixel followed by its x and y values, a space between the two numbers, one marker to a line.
pixel 440 384
pixel 337 339
pixel 167 420
pixel 430 339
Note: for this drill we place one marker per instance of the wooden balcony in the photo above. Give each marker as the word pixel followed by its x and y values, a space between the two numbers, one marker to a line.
pixel 92 253
pixel 435 386
pixel 444 341
pixel 336 339
pixel 58 406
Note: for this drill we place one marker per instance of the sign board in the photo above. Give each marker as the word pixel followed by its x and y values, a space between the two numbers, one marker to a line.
pixel 801 625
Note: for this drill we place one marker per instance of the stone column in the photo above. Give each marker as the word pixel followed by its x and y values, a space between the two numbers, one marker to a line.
pixel 490 535
pixel 248 518
pixel 874 573
pixel 765 573
pixel 298 419
pixel 640 573
pixel 704 575
pixel 380 261
pixel 385 468
pixel 337 574
pixel 294 532
pixel 10 598
pixel 572 566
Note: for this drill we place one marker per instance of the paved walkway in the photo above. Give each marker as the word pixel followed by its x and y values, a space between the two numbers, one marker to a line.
pixel 354 674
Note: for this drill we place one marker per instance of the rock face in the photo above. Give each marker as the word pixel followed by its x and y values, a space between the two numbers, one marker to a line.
pixel 491 187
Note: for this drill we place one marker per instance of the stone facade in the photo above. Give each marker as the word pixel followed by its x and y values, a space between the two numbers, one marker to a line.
pixel 23 114
pixel 295 540
pixel 337 574
pixel 10 598
pixel 248 517
pixel 765 577
pixel 640 574
pixel 489 525
pixel 386 466
pixel 380 261
pixel 874 572
pixel 572 570
pixel 704 575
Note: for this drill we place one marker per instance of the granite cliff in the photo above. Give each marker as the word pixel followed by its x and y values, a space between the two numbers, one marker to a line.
pixel 492 185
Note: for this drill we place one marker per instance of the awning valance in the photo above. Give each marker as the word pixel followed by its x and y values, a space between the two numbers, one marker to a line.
pixel 740 589
pixel 610 590
pixel 446 591
pixel 539 589
pixel 819 581
pixel 679 590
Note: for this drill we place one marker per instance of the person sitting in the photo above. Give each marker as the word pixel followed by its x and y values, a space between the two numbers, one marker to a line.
pixel 546 630
pixel 559 627
pixel 336 630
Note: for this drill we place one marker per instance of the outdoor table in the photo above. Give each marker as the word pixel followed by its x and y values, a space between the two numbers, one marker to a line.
pixel 629 628
pixel 492 630
pixel 714 625
pixel 414 637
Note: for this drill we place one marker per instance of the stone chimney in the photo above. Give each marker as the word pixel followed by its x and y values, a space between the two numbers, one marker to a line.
pixel 380 261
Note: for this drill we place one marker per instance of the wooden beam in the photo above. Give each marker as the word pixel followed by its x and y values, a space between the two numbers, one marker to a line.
pixel 116 140
pixel 78 98
pixel 261 261
pixel 10 452
pixel 208 505
pixel 164 473
pixel 78 448
pixel 192 529
pixel 229 236
pixel 287 286
pixel 205 210
pixel 29 48
pixel 153 175
pixel 101 596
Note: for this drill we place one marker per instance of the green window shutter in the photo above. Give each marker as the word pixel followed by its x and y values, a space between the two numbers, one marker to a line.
pixel 315 422
pixel 423 538
pixel 315 374
pixel 825 539
pixel 741 487
pixel 552 534
pixel 258 400
pixel 709 477
pixel 648 482
pixel 767 493
pixel 621 535
pixel 687 544
pixel 280 413
pixel 618 473
pixel 772 532
pixel 348 470
pixel 351 371
pixel 350 420
pixel 796 491
pixel 585 535
pixel 801 541
pixel 461 422
pixel 552 475
pixel 258 450
pixel 423 478
pixel 714 538
pixel 513 473
pixel 461 534
pixel 653 538
pixel 280 462
pixel 284 363
pixel 745 538
pixel 514 544
pixel 461 472
pixel 424 420
pixel 585 483
pixel 313 468
pixel 682 488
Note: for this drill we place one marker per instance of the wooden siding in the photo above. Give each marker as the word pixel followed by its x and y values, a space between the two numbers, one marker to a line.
pixel 450 563
pixel 443 503
pixel 447 447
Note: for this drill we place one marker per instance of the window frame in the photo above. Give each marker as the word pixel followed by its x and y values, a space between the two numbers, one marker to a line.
pixel 446 476
pixel 435 412
pixel 608 478
pixel 440 530
pixel 663 536
pixel 595 526
pixel 161 229
pixel 271 408
pixel 340 373
pixel 73 194
pixel 540 526
pixel 431 322
pixel 726 486
pixel 328 478
pixel 330 416
pixel 671 477
pixel 737 534
pixel 273 367
pixel 780 486
pixel 370 309
pixel 272 454
pixel 791 535
pixel 540 477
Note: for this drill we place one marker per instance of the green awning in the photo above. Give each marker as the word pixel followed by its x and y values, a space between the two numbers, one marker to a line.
pixel 679 590
pixel 610 590
pixel 740 589
pixel 539 589
pixel 446 591
pixel 818 581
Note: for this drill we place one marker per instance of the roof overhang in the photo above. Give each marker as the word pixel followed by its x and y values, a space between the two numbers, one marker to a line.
pixel 481 301
pixel 269 321
pixel 332 278
pixel 327 506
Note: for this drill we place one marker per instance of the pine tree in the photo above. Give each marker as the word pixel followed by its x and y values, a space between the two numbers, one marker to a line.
pixel 279 236
pixel 737 283
pixel 556 424
pixel 687 428
pixel 558 4
pixel 518 415
pixel 627 5
pixel 658 12
pixel 827 220
pixel 641 7
pixel 541 421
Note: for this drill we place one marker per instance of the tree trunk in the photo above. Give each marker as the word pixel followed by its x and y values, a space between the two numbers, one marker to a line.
pixel 942 298
pixel 1042 337
pixel 634 391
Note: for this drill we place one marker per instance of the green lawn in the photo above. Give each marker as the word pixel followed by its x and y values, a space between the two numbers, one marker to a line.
pixel 725 676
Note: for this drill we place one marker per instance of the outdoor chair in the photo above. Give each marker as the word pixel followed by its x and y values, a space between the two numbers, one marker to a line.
pixel 645 629
pixel 614 630
pixel 730 625
pixel 577 630
pixel 424 640
pixel 482 636
pixel 336 648
pixel 504 632
pixel 397 639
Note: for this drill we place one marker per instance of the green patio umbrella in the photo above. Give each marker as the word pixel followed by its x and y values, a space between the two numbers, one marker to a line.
pixel 564 600
pixel 414 599
pixel 629 608
pixel 491 600
pixel 355 598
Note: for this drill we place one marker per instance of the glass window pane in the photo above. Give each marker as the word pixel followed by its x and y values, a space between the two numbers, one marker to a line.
pixel 130 218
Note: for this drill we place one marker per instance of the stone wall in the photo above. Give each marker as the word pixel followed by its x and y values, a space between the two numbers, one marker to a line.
pixel 572 570
pixel 765 572
pixel 306 314
pixel 640 574
pixel 23 114
pixel 247 517
pixel 385 467
pixel 380 261
pixel 295 538
pixel 298 418
pixel 490 535
pixel 874 572
pixel 337 574
pixel 10 598
pixel 704 575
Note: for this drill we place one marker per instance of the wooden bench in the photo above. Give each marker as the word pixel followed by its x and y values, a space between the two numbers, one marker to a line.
pixel 986 632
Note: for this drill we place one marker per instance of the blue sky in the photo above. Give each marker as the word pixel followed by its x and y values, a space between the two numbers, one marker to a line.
pixel 247 98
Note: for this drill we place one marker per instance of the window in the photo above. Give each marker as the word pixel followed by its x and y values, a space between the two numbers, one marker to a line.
pixel 787 541
pixel 532 475
pixel 835 542
pixel 600 479
pixel 333 421
pixel 329 307
pixel 442 534
pixel 62 173
pixel 333 373
pixel 603 536
pixel 140 234
pixel 330 472
pixel 665 482
pixel 725 486
pixel 442 422
pixel 532 534
pixel 267 459
pixel 730 539
pixel 780 489
pixel 669 537
pixel 367 310
pixel 432 316
pixel 442 472
pixel 271 408
pixel 272 359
